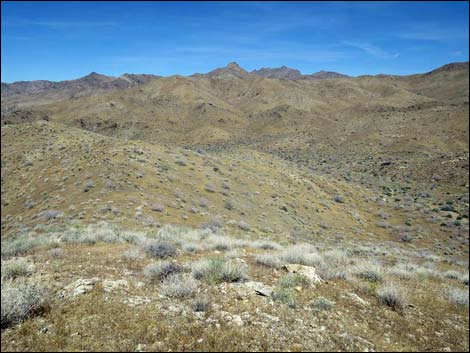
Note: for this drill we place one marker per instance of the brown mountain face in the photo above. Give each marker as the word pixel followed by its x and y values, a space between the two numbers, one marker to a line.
pixel 24 92
pixel 325 75
pixel 283 73
pixel 232 70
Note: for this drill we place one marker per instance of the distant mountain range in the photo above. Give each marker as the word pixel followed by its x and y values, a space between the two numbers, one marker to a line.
pixel 42 91
pixel 282 73
pixel 95 81
pixel 92 81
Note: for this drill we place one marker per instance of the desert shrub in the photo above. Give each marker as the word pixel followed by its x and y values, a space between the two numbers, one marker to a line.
pixel 50 215
pixel 269 260
pixel 133 254
pixel 160 270
pixel 286 296
pixel 392 295
pixel 293 280
pixel 209 188
pixel 243 226
pixel 229 205
pixel 191 247
pixel 157 207
pixel 464 279
pixel 457 296
pixel 428 272
pixel 56 253
pixel 371 271
pixel 232 254
pixel 161 249
pixel 24 243
pixel 179 286
pixel 383 224
pixel 132 237
pixel 222 245
pixel 302 254
pixel 339 199
pixel 214 225
pixel 218 270
pixel 19 301
pixel 80 236
pixel 403 270
pixel 15 268
pixel 322 303
pixel 451 274
pixel 89 184
pixel 201 304
pixel 266 245
pixel 203 202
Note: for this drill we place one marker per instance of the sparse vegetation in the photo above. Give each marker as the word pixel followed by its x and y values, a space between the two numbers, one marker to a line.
pixel 160 249
pixel 15 268
pixel 19 301
pixel 392 295
pixel 161 269
pixel 179 286
pixel 218 270
pixel 457 296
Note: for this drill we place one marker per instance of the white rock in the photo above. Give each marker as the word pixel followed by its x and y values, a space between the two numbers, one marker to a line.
pixel 306 271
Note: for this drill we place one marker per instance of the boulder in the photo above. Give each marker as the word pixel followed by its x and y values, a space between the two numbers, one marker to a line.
pixel 307 271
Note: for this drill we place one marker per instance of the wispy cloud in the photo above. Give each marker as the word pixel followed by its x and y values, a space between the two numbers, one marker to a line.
pixel 372 49
pixel 66 25
pixel 431 32
pixel 61 24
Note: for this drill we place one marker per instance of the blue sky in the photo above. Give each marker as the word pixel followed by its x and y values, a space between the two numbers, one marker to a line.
pixel 66 40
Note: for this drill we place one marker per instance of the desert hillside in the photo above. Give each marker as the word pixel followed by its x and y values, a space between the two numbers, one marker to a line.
pixel 262 210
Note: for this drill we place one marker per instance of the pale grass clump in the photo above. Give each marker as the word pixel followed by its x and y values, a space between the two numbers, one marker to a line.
pixel 403 270
pixel 464 279
pixel 160 249
pixel 232 254
pixel 369 270
pixel 201 304
pixel 292 280
pixel 15 268
pixel 265 245
pixel 19 301
pixel 270 260
pixel 286 296
pixel 335 264
pixel 302 254
pixel 133 254
pixel 216 271
pixel 191 247
pixel 392 295
pixel 159 270
pixel 179 286
pixel 451 274
pixel 428 272
pixel 56 253
pixel 323 304
pixel 24 243
pixel 78 236
pixel 457 296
